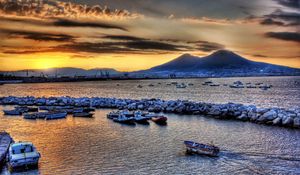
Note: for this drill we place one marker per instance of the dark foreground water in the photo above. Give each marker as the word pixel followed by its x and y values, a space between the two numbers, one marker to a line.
pixel 100 146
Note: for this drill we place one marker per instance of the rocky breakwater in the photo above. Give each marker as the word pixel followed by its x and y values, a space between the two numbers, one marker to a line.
pixel 268 116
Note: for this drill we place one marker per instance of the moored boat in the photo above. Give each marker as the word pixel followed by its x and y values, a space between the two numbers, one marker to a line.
pixel 141 119
pixel 123 119
pixel 12 112
pixel 55 115
pixel 199 148
pixel 83 114
pixel 160 119
pixel 5 141
pixel 22 155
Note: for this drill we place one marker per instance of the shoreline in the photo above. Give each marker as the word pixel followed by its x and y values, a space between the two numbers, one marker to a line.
pixel 21 80
pixel 230 111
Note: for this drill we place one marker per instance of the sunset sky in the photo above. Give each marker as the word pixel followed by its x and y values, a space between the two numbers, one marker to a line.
pixel 138 34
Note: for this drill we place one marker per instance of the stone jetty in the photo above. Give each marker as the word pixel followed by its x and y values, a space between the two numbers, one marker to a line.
pixel 269 116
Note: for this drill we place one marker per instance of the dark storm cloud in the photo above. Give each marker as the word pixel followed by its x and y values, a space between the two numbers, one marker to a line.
pixel 207 46
pixel 289 18
pixel 270 21
pixel 119 47
pixel 289 3
pixel 38 36
pixel 261 56
pixel 123 37
pixel 70 23
pixel 153 45
pixel 287 36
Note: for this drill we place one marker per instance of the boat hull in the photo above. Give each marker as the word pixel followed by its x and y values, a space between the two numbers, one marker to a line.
pixel 202 149
pixel 5 141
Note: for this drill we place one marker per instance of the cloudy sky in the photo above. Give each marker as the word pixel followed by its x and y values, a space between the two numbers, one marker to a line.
pixel 138 34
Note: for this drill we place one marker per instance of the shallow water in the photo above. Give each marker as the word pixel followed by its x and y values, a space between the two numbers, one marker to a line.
pixel 100 146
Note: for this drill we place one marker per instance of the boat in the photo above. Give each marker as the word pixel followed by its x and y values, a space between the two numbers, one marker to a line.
pixel 139 86
pixel 27 109
pixel 191 84
pixel 55 115
pixel 141 119
pixel 160 119
pixel 113 114
pixel 237 86
pixel 35 115
pixel 250 86
pixel 199 148
pixel 214 85
pixel 123 119
pixel 5 141
pixel 127 113
pixel 151 85
pixel 22 155
pixel 83 114
pixel 182 85
pixel 13 112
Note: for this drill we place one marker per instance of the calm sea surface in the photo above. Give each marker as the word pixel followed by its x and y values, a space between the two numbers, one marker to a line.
pixel 100 146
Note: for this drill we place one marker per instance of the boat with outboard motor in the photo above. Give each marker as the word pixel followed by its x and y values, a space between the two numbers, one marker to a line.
pixel 199 148
pixel 22 155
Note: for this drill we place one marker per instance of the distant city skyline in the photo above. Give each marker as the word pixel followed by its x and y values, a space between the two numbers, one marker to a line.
pixel 130 35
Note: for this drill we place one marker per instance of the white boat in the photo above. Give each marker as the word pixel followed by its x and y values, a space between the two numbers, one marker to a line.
pixel 199 148
pixel 141 119
pixel 182 85
pixel 22 155
pixel 55 115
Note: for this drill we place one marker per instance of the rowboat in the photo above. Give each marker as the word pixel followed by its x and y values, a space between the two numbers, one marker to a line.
pixel 55 115
pixel 12 112
pixel 124 119
pixel 160 119
pixel 5 141
pixel 199 148
pixel 22 155
pixel 83 114
pixel 141 119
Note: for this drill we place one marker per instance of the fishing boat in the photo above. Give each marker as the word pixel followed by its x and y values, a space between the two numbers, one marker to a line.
pixel 22 155
pixel 141 119
pixel 12 112
pixel 26 109
pixel 5 141
pixel 182 85
pixel 123 119
pixel 83 114
pixel 55 115
pixel 113 114
pixel 160 119
pixel 199 148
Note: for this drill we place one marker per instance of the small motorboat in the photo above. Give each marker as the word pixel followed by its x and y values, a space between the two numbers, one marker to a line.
pixel 199 148
pixel 55 115
pixel 123 119
pixel 26 109
pixel 160 119
pixel 22 155
pixel 182 85
pixel 141 119
pixel 113 114
pixel 13 112
pixel 83 114
pixel 215 84
pixel 5 141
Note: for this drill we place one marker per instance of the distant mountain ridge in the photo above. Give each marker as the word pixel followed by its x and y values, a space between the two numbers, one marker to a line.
pixel 219 63
pixel 64 71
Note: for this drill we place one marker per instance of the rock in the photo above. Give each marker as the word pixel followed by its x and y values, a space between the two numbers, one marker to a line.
pixel 297 122
pixel 277 121
pixel 288 121
pixel 243 117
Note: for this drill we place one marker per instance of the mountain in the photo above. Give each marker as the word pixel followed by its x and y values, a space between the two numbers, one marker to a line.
pixel 219 63
pixel 65 71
